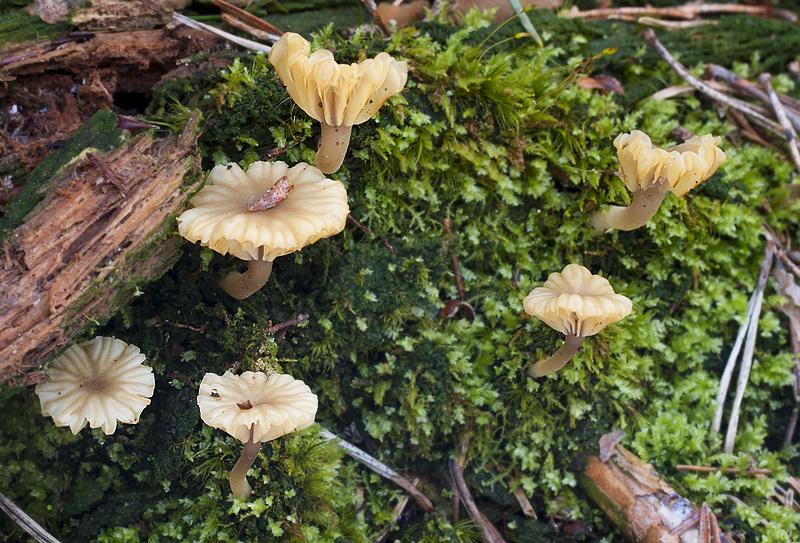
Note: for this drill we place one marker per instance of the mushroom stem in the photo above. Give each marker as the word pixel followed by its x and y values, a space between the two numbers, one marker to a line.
pixel 332 147
pixel 242 285
pixel 239 485
pixel 572 344
pixel 644 205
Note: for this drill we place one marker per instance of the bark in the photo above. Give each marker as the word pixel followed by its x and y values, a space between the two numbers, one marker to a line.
pixel 102 231
pixel 642 506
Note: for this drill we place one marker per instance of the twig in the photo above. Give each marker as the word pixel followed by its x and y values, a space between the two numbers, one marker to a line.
pixel 361 227
pixel 650 37
pixel 247 44
pixel 155 7
pixel 684 12
pixel 396 512
pixel 740 503
pixel 791 137
pixel 177 325
pixel 301 318
pixel 373 9
pixel 490 535
pixel 248 17
pixel 386 242
pixel 253 31
pixel 674 25
pixel 749 348
pixel 522 500
pixel 456 266
pixel 25 522
pixel 708 469
pixel 381 469
pixel 723 74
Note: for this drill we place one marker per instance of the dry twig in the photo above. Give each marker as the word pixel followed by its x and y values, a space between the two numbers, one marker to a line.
pixel 650 37
pixel 25 522
pixel 247 44
pixel 687 12
pixel 490 534
pixel 791 137
pixel 747 355
pixel 376 15
pixel 380 468
pixel 709 469
pixel 249 18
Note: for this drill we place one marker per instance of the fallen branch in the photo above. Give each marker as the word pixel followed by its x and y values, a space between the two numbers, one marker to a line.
pixel 490 534
pixel 650 37
pixel 687 12
pixel 25 522
pixel 723 74
pixel 247 44
pixel 643 506
pixel 380 468
pixel 780 113
pixel 749 349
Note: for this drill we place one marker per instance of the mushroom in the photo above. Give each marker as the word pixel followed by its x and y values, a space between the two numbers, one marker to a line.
pixel 577 304
pixel 650 172
pixel 270 211
pixel 254 408
pixel 100 382
pixel 337 95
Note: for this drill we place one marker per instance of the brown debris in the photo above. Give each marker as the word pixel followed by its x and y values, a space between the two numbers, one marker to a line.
pixel 59 85
pixel 80 237
pixel 642 506
pixel 117 16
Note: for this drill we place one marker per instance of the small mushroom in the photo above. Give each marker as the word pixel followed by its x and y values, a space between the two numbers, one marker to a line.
pixel 269 211
pixel 254 408
pixel 650 172
pixel 98 382
pixel 337 95
pixel 577 304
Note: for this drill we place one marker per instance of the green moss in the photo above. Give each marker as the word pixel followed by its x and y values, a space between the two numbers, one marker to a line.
pixel 486 136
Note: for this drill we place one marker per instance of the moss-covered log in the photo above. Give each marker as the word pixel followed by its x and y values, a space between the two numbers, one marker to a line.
pixel 102 231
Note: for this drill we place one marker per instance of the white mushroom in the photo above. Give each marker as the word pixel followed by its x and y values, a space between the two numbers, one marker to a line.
pixel 98 382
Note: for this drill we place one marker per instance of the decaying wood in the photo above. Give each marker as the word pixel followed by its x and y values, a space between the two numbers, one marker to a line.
pixel 114 15
pixel 639 503
pixel 83 250
pixel 59 85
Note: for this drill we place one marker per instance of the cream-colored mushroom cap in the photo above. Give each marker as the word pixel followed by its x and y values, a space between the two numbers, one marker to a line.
pixel 683 167
pixel 98 382
pixel 335 94
pixel 271 405
pixel 575 302
pixel 316 208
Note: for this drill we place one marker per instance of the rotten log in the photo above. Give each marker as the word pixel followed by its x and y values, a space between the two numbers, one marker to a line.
pixel 641 505
pixel 86 248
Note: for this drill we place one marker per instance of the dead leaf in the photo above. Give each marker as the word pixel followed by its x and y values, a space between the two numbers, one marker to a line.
pixel 603 83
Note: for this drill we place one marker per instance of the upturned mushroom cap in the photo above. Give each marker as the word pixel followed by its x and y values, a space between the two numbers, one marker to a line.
pixel 99 382
pixel 683 167
pixel 316 208
pixel 575 302
pixel 335 94
pixel 273 406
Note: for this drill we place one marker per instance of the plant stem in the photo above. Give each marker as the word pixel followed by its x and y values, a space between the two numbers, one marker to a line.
pixel 239 484
pixel 644 205
pixel 572 345
pixel 332 147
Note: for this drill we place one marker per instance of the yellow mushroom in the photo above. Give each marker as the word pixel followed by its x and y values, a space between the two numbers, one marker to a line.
pixel 269 211
pixel 337 95
pixel 650 172
pixel 254 408
pixel 578 304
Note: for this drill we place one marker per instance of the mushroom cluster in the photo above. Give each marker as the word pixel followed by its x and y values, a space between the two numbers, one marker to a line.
pixel 650 172
pixel 100 382
pixel 578 304
pixel 269 211
pixel 254 407
pixel 337 95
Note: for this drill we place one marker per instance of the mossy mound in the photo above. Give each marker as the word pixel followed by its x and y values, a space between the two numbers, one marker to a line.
pixel 491 136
